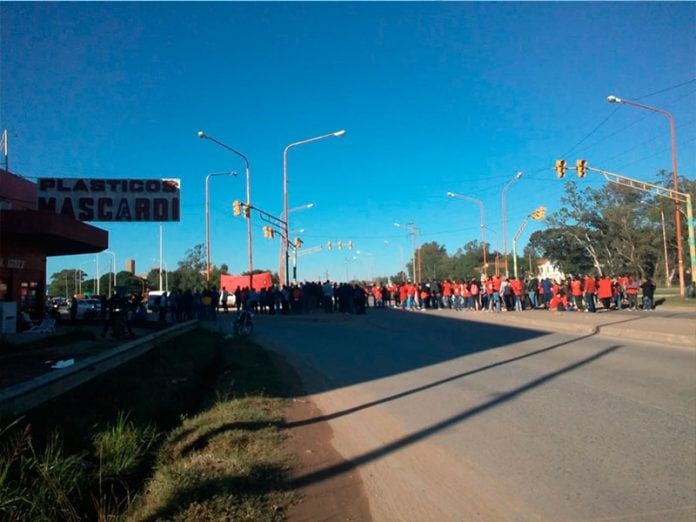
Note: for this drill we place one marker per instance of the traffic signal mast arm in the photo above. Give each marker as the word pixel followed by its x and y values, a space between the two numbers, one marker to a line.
pixel 657 190
pixel 643 186
pixel 536 215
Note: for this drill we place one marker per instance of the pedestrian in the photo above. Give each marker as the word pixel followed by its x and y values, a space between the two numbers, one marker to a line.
pixel 224 296
pixel 648 288
pixel 605 292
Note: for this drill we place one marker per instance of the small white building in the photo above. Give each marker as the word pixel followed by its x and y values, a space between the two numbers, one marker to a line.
pixel 546 269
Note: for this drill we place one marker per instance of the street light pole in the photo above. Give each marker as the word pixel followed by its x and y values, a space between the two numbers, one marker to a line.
pixel 286 242
pixel 411 227
pixel 113 256
pixel 664 240
pixel 505 256
pixel 675 177
pixel 483 226
pixel 207 222
pixel 497 250
pixel 204 136
pixel 401 257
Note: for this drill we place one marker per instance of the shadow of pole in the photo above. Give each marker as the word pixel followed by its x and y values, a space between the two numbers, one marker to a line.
pixel 428 386
pixel 417 436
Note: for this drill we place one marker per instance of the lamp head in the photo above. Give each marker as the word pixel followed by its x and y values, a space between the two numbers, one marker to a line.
pixel 310 205
pixel 340 133
pixel 202 135
pixel 518 176
pixel 450 194
pixel 614 99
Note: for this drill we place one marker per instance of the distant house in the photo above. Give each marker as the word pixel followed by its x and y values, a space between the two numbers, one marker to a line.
pixel 546 269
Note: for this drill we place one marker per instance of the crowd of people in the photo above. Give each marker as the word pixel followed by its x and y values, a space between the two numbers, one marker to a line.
pixel 495 293
pixel 505 294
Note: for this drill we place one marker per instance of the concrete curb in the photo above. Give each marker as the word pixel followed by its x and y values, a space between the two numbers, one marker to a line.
pixel 524 320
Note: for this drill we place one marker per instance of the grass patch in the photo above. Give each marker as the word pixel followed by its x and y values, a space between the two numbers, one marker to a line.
pixel 669 298
pixel 190 431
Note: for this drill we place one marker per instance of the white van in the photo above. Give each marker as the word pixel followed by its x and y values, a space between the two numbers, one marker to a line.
pixel 153 299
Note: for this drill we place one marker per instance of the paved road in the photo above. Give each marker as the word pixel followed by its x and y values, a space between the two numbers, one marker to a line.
pixel 449 419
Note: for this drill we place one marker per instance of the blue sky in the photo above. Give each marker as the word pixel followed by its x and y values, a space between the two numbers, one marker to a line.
pixel 435 97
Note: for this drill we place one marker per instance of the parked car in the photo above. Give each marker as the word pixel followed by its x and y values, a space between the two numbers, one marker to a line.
pixel 88 309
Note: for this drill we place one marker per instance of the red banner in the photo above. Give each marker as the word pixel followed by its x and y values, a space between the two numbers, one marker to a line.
pixel 260 281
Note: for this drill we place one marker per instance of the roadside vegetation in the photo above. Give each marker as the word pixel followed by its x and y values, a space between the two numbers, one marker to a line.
pixel 190 431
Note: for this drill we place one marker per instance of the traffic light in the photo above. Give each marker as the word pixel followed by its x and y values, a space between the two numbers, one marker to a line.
pixel 340 245
pixel 247 211
pixel 298 242
pixel 560 168
pixel 538 213
pixel 350 245
pixel 236 208
pixel 268 232
pixel 581 166
pixel 329 245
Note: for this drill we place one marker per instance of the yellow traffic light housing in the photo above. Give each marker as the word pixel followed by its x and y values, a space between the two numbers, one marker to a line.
pixel 329 245
pixel 340 245
pixel 538 213
pixel 236 208
pixel 350 245
pixel 268 232
pixel 247 211
pixel 581 167
pixel 560 168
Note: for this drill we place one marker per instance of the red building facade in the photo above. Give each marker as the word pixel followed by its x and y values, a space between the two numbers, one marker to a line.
pixel 28 236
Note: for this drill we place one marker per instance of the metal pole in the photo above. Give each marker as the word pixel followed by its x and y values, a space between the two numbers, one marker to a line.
pixel 518 176
pixel 207 231
pixel 664 243
pixel 284 266
pixel 248 202
pixel 204 136
pixel 675 178
pixel 286 217
pixel 160 258
pixel 692 238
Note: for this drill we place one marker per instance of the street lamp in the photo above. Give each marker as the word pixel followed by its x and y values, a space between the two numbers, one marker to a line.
pixel 412 230
pixel 81 273
pixel 497 250
pixel 204 136
pixel 677 217
pixel 483 226
pixel 207 222
pixel 113 256
pixel 401 256
pixel 286 243
pixel 301 207
pixel 504 219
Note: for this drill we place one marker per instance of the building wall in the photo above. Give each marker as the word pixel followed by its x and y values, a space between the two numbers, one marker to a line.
pixel 28 236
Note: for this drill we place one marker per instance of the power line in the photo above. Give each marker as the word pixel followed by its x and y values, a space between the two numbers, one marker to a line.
pixel 666 89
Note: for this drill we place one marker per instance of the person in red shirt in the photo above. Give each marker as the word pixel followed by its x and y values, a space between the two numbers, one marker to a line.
pixel 590 288
pixel 516 287
pixel 605 292
pixel 559 302
pixel 576 292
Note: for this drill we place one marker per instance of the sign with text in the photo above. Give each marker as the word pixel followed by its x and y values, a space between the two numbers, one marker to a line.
pixel 89 199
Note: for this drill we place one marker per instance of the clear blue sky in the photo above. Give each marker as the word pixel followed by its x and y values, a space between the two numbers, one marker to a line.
pixel 434 97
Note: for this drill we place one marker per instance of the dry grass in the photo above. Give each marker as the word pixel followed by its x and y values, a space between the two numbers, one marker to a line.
pixel 200 439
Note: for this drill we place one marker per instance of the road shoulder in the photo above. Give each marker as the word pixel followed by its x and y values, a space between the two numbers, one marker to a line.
pixel 308 437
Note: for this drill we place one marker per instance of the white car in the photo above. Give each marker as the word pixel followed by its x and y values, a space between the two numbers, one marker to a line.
pixel 88 309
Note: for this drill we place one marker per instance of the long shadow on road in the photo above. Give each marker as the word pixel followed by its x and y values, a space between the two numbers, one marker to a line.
pixel 419 435
pixel 337 351
pixel 428 386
